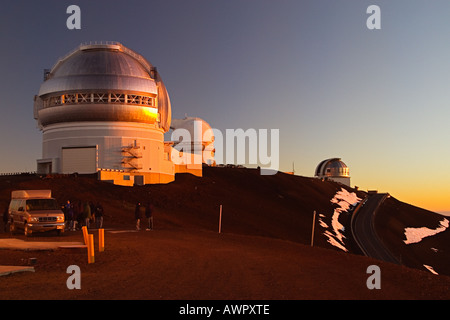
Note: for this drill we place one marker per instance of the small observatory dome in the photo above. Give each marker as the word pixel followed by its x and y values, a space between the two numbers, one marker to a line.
pixel 333 169
pixel 197 127
pixel 201 135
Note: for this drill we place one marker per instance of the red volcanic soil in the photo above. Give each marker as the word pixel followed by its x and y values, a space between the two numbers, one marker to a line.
pixel 263 251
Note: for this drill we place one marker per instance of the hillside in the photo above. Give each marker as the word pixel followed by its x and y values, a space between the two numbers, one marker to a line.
pixel 262 253
pixel 279 206
pixel 395 217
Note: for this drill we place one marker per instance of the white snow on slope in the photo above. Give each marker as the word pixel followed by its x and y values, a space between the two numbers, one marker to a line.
pixel 430 268
pixel 414 235
pixel 344 200
pixel 322 224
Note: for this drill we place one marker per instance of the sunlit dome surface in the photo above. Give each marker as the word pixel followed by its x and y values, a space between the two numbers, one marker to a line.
pixel 103 82
pixel 99 67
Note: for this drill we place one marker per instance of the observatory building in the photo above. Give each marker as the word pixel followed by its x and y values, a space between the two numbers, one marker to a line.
pixel 333 169
pixel 104 108
pixel 201 142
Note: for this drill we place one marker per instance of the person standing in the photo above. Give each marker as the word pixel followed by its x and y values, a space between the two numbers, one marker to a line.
pixel 149 215
pixel 137 215
pixel 5 219
pixel 92 206
pixel 99 215
pixel 69 215
pixel 76 214
pixel 87 214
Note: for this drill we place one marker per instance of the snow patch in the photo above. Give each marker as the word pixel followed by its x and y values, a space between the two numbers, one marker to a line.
pixel 321 222
pixel 430 268
pixel 334 242
pixel 414 235
pixel 344 200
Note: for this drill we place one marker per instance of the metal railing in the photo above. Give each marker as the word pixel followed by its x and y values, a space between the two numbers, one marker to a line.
pixel 23 173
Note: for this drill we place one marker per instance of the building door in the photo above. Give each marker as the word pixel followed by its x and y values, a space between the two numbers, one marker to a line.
pixel 82 160
pixel 138 180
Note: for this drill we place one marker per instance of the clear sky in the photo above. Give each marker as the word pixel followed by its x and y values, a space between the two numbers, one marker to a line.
pixel 378 99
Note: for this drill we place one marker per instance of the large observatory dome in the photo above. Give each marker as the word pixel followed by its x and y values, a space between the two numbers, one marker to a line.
pixel 104 108
pixel 103 82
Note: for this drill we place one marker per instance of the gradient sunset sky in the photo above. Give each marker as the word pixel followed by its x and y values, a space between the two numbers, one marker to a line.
pixel 378 99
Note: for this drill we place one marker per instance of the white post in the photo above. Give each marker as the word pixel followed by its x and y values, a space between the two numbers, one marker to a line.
pixel 313 224
pixel 220 219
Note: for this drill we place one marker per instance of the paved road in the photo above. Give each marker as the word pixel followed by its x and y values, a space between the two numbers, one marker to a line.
pixel 364 232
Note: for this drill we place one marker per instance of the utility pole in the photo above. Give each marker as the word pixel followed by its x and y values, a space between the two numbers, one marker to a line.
pixel 220 219
pixel 313 225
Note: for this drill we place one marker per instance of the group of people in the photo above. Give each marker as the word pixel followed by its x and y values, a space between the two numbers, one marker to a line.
pixel 147 210
pixel 78 214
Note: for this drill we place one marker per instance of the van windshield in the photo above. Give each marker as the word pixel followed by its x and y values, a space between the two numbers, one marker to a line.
pixel 41 204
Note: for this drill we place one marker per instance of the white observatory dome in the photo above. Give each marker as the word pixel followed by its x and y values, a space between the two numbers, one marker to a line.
pixel 193 124
pixel 201 138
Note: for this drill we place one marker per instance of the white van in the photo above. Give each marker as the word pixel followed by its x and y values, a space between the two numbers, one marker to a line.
pixel 35 211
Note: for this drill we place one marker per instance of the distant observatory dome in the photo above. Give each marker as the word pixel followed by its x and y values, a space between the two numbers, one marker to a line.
pixel 333 169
